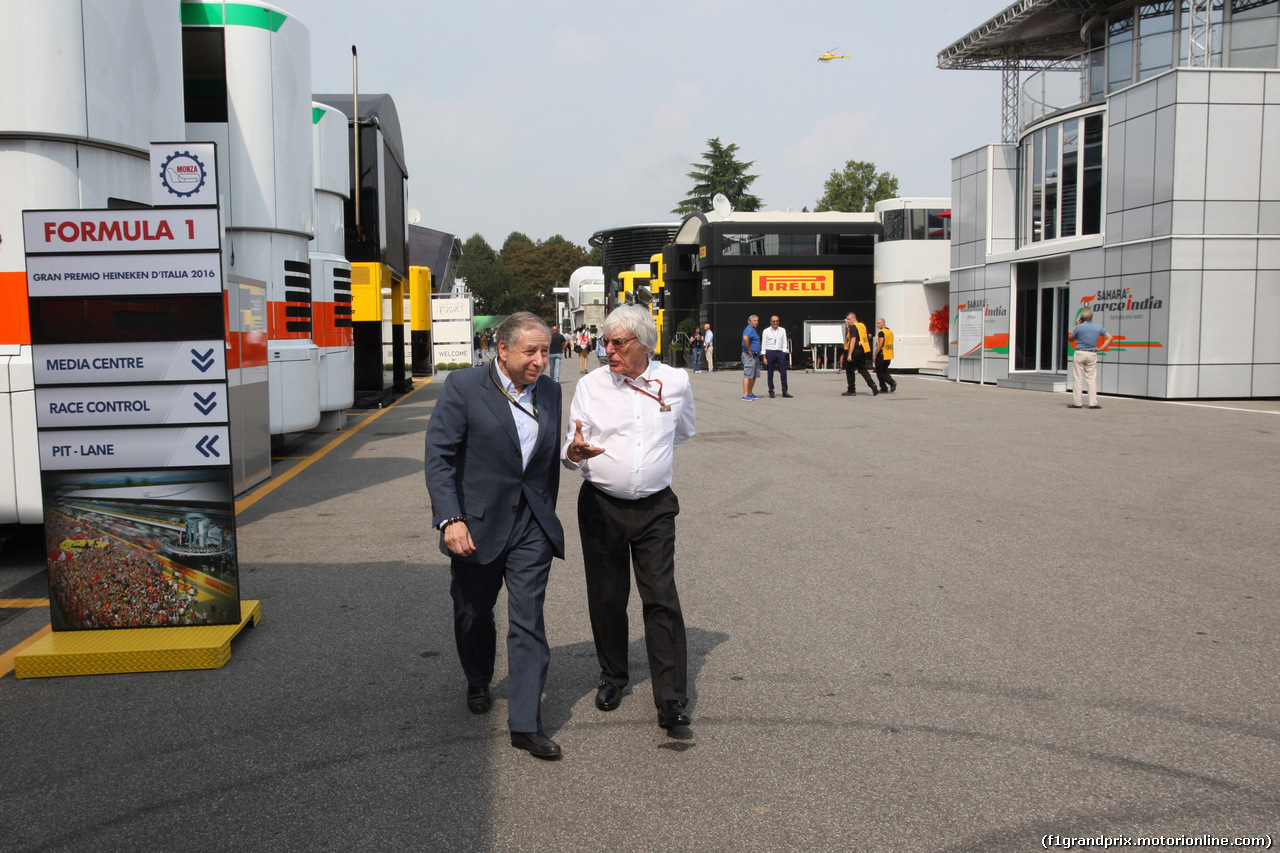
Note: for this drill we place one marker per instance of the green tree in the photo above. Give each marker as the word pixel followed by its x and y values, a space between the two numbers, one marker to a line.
pixel 856 188
pixel 721 173
pixel 538 268
pixel 488 279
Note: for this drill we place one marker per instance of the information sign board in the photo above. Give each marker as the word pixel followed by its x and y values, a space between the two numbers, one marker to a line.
pixel 129 355
pixel 972 331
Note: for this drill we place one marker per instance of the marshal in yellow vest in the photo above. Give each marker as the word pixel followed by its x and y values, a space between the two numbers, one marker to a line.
pixel 886 351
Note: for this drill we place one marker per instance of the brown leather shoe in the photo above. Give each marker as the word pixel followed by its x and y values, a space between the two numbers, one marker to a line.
pixel 537 744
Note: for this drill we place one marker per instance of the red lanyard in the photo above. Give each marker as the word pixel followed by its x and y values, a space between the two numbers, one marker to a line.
pixel 646 393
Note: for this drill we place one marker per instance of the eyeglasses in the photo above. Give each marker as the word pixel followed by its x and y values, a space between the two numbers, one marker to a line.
pixel 619 343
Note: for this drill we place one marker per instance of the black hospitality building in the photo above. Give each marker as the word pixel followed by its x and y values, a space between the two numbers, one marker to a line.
pixel 800 266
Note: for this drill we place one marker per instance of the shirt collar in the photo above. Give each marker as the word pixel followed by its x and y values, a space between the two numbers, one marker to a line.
pixel 620 380
pixel 510 386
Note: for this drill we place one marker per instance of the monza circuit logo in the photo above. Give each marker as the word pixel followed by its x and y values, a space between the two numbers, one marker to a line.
pixel 182 174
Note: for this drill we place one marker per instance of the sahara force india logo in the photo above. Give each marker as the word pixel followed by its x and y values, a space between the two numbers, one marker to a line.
pixel 1118 302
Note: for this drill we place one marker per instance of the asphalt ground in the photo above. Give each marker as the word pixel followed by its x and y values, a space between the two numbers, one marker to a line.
pixel 954 618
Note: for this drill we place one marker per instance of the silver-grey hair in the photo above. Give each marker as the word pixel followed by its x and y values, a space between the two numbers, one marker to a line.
pixel 632 320
pixel 508 331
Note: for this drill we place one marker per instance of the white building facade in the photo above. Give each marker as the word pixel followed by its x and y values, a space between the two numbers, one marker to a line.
pixel 1142 189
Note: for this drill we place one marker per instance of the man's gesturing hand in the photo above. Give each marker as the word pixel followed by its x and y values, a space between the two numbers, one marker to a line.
pixel 579 449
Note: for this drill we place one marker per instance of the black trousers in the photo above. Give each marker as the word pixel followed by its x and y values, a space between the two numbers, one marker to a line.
pixel 857 364
pixel 882 373
pixel 615 533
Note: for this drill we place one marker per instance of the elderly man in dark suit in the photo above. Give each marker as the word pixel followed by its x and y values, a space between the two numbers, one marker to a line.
pixel 493 475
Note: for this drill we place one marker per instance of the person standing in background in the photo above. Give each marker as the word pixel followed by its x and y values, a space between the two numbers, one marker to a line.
pixel 695 349
pixel 708 347
pixel 750 358
pixel 776 349
pixel 1087 337
pixel 558 344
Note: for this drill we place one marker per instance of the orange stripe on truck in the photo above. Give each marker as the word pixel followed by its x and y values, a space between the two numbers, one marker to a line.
pixel 15 321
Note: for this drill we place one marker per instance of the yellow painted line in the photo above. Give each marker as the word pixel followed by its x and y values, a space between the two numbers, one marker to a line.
pixel 6 659
pixel 307 462
pixel 19 603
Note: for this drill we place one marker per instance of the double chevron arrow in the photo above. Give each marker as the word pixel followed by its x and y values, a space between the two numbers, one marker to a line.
pixel 206 446
pixel 203 361
pixel 205 405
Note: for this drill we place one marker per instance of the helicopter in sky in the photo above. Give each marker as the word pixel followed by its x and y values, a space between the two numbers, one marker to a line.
pixel 831 54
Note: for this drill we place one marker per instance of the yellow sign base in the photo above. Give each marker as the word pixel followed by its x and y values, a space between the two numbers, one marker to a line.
pixel 133 649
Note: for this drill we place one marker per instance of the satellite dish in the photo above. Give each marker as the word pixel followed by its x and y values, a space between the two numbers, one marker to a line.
pixel 415 216
pixel 720 204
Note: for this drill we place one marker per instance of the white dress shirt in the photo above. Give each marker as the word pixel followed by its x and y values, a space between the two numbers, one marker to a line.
pixel 774 339
pixel 624 417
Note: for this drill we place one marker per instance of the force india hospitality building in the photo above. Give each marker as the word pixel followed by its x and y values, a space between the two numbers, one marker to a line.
pixel 1133 180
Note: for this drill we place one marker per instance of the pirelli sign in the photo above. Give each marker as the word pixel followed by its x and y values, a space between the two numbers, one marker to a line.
pixel 793 283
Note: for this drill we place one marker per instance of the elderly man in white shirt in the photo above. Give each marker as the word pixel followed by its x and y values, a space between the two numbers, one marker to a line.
pixel 776 349
pixel 628 418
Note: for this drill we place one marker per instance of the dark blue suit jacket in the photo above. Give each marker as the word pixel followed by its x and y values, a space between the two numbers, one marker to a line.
pixel 473 462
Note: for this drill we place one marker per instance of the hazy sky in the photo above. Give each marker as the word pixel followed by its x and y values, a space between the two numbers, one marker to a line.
pixel 566 117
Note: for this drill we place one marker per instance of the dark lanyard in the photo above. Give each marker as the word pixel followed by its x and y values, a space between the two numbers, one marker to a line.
pixel 646 393
pixel 496 381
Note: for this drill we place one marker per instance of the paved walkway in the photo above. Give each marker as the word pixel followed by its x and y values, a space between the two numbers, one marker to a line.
pixel 954 618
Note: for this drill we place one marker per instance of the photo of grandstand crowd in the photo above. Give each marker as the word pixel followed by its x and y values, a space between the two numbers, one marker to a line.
pixel 141 549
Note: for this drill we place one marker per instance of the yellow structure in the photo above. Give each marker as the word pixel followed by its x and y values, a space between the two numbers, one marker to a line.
pixel 632 281
pixel 133 649
pixel 367 282
pixel 420 299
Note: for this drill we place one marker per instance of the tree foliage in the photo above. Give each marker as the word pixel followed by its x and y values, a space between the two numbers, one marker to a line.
pixel 856 188
pixel 520 277
pixel 721 173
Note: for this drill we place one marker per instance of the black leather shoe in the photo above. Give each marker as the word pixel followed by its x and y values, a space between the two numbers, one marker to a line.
pixel 608 696
pixel 537 744
pixel 874 392
pixel 849 394
pixel 786 396
pixel 478 700
pixel 672 714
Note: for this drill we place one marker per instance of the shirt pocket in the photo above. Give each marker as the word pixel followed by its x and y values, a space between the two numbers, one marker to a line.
pixel 664 426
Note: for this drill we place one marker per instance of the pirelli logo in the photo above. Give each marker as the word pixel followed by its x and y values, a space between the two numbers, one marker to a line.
pixel 793 283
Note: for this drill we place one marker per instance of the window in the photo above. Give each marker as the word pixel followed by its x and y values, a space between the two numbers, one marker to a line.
pixel 1155 38
pixel 1070 174
pixel 1061 181
pixel 1091 177
pixel 1120 51
pixel 204 74
pixel 744 245
pixel 893 222
pixel 1051 135
pixel 939 224
pixel 1253 33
